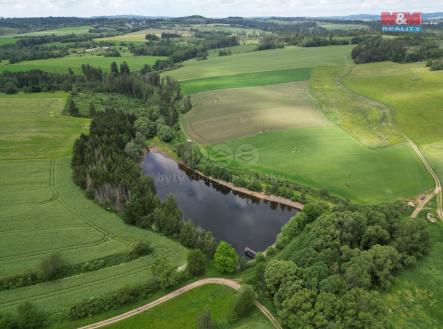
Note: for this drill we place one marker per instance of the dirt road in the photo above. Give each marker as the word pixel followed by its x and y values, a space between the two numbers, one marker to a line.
pixel 437 191
pixel 230 283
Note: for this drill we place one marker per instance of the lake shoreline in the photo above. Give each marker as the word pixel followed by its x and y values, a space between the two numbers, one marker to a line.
pixel 241 190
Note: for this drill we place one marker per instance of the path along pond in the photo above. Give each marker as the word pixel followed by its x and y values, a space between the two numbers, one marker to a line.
pixel 241 220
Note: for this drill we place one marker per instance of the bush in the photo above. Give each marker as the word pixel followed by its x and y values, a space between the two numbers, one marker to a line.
pixel 112 301
pixel 225 258
pixel 196 262
pixel 165 273
pixel 141 248
pixel 51 268
pixel 243 304
pixel 29 317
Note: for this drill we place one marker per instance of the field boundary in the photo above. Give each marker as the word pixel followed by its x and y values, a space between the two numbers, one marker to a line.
pixel 220 281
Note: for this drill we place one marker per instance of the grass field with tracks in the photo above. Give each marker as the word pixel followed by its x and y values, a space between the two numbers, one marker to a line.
pixel 412 91
pixel 42 212
pixel 61 65
pixel 369 121
pixel 244 80
pixel 259 61
pixel 221 115
pixel 183 311
pixel 326 157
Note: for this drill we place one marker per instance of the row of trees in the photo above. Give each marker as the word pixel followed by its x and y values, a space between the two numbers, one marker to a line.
pixel 332 262
pixel 401 50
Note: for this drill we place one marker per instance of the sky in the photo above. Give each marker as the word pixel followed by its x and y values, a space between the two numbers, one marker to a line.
pixel 211 8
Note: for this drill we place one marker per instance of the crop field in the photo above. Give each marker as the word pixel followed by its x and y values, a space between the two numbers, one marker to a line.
pixel 244 80
pixel 342 26
pixel 75 62
pixel 139 36
pixel 259 61
pixel 6 40
pixel 416 295
pixel 183 312
pixel 369 121
pixel 327 157
pixel 414 94
pixel 221 115
pixel 42 212
pixel 61 31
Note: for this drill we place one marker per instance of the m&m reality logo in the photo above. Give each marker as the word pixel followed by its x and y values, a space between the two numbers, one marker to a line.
pixel 401 22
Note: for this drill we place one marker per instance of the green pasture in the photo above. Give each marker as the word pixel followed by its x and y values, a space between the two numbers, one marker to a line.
pixel 411 91
pixel 342 26
pixel 221 115
pixel 139 36
pixel 7 40
pixel 259 61
pixel 42 212
pixel 415 298
pixel 367 120
pixel 434 154
pixel 61 31
pixel 61 65
pixel 244 80
pixel 183 311
pixel 328 158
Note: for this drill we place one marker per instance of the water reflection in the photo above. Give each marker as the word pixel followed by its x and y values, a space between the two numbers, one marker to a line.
pixel 231 216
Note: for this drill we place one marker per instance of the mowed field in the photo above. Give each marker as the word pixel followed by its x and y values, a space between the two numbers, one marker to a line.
pixel 259 61
pixel 139 36
pixel 61 65
pixel 327 157
pixel 61 31
pixel 184 311
pixel 42 212
pixel 244 80
pixel 218 116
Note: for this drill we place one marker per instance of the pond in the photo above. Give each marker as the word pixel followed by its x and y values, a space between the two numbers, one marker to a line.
pixel 241 220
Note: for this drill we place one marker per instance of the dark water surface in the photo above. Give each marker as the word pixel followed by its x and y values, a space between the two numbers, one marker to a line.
pixel 240 220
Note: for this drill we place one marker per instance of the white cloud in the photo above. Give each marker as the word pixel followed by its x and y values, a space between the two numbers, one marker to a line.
pixel 210 8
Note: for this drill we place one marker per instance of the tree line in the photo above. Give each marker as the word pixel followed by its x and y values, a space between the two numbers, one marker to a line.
pixel 401 50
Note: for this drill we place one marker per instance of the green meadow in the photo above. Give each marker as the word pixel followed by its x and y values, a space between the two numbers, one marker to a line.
pixel 415 297
pixel 369 121
pixel 342 26
pixel 328 158
pixel 61 65
pixel 61 31
pixel 259 61
pixel 6 40
pixel 183 311
pixel 411 91
pixel 42 212
pixel 221 115
pixel 244 80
